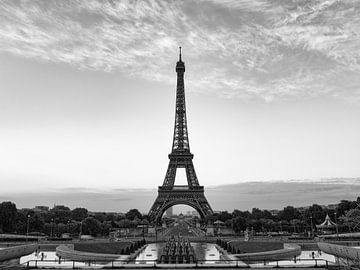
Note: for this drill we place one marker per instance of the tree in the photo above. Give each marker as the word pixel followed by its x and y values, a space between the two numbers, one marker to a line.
pixel 283 225
pixel 239 224
pixel 105 227
pixel 289 213
pixel 295 223
pixel 61 228
pixel 101 217
pixel 110 217
pixel 21 220
pixel 125 223
pixel 79 214
pixel 36 223
pixel 132 214
pixel 224 216
pixel 60 214
pixel 91 226
pixel 316 212
pixel 212 218
pixel 268 224
pixel 8 213
pixel 243 214
pixel 256 213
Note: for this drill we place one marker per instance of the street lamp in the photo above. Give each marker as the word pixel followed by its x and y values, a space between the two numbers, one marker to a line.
pixel 336 224
pixel 143 230
pixel 80 233
pixel 27 227
pixel 52 224
pixel 312 229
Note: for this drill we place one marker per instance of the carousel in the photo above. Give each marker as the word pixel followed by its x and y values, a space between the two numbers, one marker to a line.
pixel 328 226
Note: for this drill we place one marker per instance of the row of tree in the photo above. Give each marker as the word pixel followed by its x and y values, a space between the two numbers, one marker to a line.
pixel 291 219
pixel 61 219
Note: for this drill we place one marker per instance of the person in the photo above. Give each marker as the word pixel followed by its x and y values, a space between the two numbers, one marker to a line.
pixel 42 256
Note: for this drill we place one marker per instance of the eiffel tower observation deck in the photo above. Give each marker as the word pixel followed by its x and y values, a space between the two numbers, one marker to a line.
pixel 170 194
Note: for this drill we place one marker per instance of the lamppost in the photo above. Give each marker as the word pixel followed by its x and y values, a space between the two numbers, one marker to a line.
pixel 336 224
pixel 27 227
pixel 81 225
pixel 312 229
pixel 143 230
pixel 68 226
pixel 52 224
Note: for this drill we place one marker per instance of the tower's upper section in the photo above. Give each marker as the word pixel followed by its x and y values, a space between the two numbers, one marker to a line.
pixel 180 65
pixel 181 139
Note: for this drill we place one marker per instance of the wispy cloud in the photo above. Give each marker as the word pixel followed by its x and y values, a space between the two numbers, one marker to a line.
pixel 247 49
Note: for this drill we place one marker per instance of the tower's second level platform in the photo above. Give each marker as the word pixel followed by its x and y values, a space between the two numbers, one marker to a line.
pixel 182 188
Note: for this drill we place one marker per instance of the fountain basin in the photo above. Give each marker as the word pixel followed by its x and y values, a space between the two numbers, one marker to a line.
pixel 101 252
pixel 289 251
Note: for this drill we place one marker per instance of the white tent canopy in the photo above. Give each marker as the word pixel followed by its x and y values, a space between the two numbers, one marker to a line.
pixel 328 223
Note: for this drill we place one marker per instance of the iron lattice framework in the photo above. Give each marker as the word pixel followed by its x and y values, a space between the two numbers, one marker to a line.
pixel 180 157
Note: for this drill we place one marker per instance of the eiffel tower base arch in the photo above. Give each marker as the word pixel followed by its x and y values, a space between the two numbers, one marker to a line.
pixel 170 196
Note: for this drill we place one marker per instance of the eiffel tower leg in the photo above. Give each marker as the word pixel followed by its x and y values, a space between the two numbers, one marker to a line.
pixel 190 174
pixel 156 209
pixel 170 174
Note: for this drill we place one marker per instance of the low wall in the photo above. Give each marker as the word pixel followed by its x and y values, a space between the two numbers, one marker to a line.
pixel 289 251
pixel 16 252
pixel 340 251
pixel 68 252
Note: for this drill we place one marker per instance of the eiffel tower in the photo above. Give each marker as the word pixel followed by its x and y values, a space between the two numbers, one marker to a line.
pixel 180 157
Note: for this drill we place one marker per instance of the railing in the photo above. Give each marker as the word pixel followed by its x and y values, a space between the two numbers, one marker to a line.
pixel 69 264
pixel 181 188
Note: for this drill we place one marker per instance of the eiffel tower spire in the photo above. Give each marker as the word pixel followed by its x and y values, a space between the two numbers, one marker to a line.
pixel 181 138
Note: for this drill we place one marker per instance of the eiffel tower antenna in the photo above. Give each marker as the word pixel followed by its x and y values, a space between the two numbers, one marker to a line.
pixel 180 157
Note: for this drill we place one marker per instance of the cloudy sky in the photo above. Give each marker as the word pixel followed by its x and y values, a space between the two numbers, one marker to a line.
pixel 87 91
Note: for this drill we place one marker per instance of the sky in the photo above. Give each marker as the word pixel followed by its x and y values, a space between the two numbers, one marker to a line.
pixel 87 91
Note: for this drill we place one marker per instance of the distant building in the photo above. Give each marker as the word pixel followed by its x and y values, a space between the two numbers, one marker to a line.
pixel 274 212
pixel 302 209
pixel 94 213
pixel 332 206
pixel 60 207
pixel 41 208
